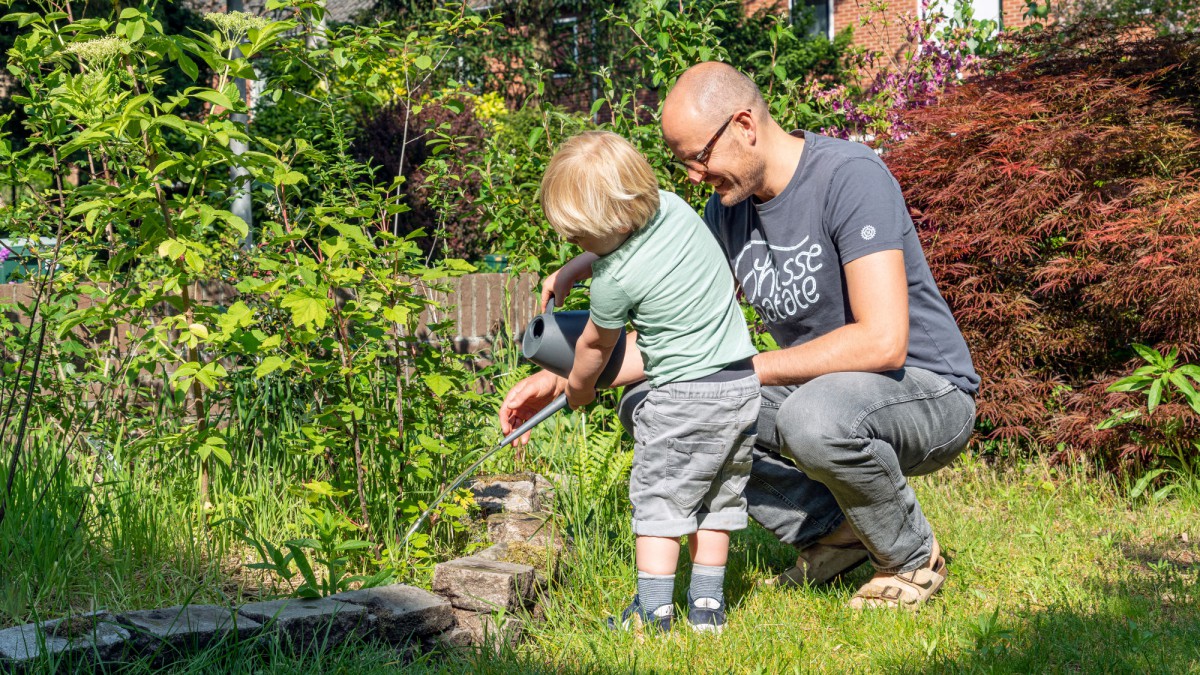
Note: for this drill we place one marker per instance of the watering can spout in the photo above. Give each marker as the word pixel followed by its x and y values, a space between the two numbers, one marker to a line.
pixel 549 342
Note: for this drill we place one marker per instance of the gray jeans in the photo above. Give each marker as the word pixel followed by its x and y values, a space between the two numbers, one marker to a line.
pixel 840 446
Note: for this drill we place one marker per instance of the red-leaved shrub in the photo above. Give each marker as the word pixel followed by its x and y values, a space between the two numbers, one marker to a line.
pixel 1058 202
pixel 399 141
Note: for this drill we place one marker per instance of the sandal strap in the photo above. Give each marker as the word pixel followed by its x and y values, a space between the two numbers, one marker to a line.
pixel 911 587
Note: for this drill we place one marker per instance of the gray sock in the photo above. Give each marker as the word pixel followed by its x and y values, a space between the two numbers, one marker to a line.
pixel 655 590
pixel 708 582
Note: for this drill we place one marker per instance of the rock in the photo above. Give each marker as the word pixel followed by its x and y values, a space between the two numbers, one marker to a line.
pixel 402 612
pixel 487 628
pixel 479 584
pixel 307 623
pixel 454 638
pixel 174 631
pixel 533 528
pixel 513 494
pixel 544 489
pixel 543 559
pixel 95 637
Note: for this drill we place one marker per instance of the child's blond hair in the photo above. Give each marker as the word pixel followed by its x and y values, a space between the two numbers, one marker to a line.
pixel 598 184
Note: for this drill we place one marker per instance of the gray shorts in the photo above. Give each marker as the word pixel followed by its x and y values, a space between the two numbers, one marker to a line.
pixel 691 456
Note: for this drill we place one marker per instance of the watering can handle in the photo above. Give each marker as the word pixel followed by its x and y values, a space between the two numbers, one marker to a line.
pixel 550 303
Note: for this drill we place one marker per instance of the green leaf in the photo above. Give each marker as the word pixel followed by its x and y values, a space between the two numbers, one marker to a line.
pixel 453 106
pixel 1182 384
pixel 135 31
pixel 22 18
pixel 1148 353
pixel 423 62
pixel 1155 395
pixel 439 384
pixel 270 365
pixel 171 121
pixel 188 66
pixel 1144 482
pixel 780 72
pixel 1131 383
pixel 305 309
pixel 1163 492
pixel 214 97
pixel 171 249
pixel 292 178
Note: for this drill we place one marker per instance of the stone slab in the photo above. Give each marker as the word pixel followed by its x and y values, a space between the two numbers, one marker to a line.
pixel 512 494
pixel 311 623
pixel 402 612
pixel 543 559
pixel 94 636
pixel 533 528
pixel 178 630
pixel 483 585
pixel 488 628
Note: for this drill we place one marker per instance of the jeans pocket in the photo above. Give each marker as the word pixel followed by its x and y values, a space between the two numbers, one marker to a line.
pixel 693 466
pixel 942 455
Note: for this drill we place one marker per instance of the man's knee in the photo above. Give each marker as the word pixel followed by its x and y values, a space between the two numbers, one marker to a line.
pixel 633 397
pixel 815 433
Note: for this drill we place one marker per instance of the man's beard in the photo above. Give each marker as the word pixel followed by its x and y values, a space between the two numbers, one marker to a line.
pixel 752 174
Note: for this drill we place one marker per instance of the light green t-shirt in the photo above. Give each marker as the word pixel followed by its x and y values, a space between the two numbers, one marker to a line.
pixel 671 281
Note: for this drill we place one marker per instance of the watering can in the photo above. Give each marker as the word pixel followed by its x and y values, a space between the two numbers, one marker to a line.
pixel 550 343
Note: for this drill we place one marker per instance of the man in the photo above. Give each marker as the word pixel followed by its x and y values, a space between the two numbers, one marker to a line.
pixel 873 381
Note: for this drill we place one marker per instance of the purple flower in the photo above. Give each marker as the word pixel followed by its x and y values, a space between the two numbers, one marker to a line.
pixel 4 253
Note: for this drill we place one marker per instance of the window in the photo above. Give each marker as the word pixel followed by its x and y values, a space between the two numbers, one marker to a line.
pixel 817 13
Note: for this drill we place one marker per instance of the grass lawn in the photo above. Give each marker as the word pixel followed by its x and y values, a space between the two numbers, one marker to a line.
pixel 1050 571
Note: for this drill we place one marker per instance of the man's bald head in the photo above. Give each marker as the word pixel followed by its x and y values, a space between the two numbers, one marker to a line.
pixel 712 91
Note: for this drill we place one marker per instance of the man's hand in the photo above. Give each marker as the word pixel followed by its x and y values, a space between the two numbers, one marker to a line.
pixel 526 398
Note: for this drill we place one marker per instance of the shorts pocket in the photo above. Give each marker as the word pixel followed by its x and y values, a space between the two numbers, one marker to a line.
pixel 692 468
pixel 737 475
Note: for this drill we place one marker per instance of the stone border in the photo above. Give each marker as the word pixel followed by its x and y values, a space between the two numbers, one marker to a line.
pixel 481 600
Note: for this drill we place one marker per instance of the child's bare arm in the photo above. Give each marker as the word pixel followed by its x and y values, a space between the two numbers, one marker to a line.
pixel 559 283
pixel 592 351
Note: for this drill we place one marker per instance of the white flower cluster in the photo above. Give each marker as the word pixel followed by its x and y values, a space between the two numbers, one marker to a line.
pixel 97 52
pixel 236 23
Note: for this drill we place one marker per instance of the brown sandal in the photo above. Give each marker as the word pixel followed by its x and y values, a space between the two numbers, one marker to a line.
pixel 908 590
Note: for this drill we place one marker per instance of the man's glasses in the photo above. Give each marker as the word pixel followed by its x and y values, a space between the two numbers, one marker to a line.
pixel 699 163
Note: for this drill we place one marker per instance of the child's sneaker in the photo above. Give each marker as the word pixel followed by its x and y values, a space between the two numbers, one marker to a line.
pixel 635 616
pixel 707 615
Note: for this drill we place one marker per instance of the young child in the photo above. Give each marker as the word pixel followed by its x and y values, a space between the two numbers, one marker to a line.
pixel 654 264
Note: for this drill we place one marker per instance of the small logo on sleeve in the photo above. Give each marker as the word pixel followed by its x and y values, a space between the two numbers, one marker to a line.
pixel 868 232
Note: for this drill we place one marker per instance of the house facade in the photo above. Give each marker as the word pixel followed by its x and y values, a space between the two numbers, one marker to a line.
pixel 884 30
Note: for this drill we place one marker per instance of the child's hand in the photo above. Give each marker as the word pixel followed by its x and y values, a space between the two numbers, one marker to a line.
pixel 550 288
pixel 578 397
pixel 560 281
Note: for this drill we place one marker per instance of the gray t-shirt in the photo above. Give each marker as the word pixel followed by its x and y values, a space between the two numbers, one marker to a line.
pixel 787 254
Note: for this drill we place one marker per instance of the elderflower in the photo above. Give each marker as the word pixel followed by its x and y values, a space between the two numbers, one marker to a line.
pixel 235 25
pixel 97 53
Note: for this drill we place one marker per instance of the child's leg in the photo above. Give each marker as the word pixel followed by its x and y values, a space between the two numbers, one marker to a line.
pixel 709 547
pixel 710 552
pixel 656 561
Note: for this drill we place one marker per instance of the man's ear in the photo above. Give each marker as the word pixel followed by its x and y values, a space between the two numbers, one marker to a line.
pixel 748 127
